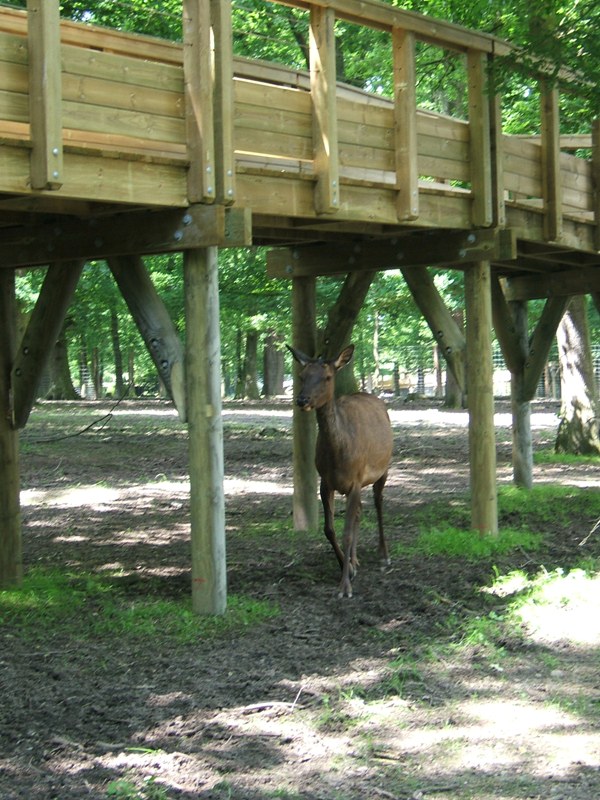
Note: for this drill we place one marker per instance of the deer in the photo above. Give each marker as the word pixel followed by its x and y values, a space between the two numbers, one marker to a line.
pixel 354 449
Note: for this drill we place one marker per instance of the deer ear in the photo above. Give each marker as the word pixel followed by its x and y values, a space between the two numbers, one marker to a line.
pixel 299 356
pixel 344 357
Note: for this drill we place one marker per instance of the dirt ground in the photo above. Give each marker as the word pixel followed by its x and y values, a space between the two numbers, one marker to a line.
pixel 328 700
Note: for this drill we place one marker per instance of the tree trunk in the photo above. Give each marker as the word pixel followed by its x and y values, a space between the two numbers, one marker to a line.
pixel 97 373
pixel 250 373
pixel 61 383
pixel 273 365
pixel 117 354
pixel 579 428
pixel 239 378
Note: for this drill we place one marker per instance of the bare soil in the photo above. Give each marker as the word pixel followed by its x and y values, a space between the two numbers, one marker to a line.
pixel 373 697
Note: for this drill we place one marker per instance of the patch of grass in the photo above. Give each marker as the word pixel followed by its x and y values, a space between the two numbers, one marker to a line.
pixel 535 508
pixel 549 456
pixel 87 605
pixel 557 604
pixel 125 789
pixel 471 545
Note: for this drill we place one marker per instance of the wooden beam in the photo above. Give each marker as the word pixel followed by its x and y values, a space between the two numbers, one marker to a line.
pixel 551 182
pixel 199 110
pixel 324 111
pixel 480 147
pixel 506 329
pixel 11 557
pixel 556 284
pixel 343 314
pixel 405 124
pixel 430 248
pixel 154 323
pixel 482 444
pixel 443 326
pixel 305 504
pixel 205 426
pixel 43 329
pixel 540 343
pixel 128 233
pixel 45 94
pixel 223 100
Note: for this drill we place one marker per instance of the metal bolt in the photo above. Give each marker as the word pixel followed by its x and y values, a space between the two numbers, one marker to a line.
pixel 471 238
pixel 178 236
pixel 55 151
pixel 187 219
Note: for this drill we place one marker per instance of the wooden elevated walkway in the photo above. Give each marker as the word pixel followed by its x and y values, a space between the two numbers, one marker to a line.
pixel 99 123
pixel 113 146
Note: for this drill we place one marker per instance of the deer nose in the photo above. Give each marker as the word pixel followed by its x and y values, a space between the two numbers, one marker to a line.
pixel 302 401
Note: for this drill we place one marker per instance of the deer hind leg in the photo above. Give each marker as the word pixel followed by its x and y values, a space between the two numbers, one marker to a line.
pixel 351 524
pixel 327 498
pixel 384 555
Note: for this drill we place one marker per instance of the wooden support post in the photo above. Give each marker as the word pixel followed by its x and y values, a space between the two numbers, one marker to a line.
pixel 11 560
pixel 510 322
pixel 205 425
pixel 223 100
pixel 45 94
pixel 551 184
pixel 43 330
pixel 522 446
pixel 304 337
pixel 199 109
pixel 405 124
pixel 480 146
pixel 596 177
pixel 323 94
pixel 482 444
pixel 344 313
pixel 154 323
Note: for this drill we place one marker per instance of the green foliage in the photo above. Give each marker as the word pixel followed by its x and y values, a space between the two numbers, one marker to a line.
pixel 87 605
pixel 125 789
pixel 471 545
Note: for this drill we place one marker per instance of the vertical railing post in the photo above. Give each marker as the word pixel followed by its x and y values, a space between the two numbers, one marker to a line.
pixel 551 185
pixel 223 100
pixel 323 94
pixel 480 146
pixel 45 94
pixel 199 110
pixel 405 124
pixel 497 150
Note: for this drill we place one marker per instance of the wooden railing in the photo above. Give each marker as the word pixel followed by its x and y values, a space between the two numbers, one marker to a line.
pixel 136 120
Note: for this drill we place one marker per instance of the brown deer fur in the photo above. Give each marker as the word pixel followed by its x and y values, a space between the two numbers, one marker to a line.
pixel 354 448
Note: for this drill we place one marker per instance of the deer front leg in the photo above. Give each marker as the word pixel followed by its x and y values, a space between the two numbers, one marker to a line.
pixel 384 555
pixel 353 508
pixel 327 498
